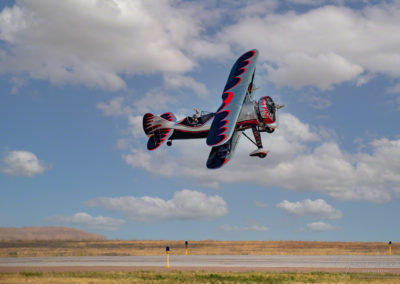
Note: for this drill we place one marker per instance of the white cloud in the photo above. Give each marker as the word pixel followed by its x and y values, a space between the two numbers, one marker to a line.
pixel 121 107
pixel 295 130
pixel 93 42
pixel 298 160
pixel 176 81
pixel 250 228
pixel 185 205
pixel 313 208
pixel 323 46
pixel 326 46
pixel 85 220
pixel 23 163
pixel 154 100
pixel 319 227
pixel 115 107
pixel 307 2
pixel 260 204
pixel 322 71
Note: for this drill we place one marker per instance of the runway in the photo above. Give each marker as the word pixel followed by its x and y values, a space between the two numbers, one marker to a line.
pixel 359 263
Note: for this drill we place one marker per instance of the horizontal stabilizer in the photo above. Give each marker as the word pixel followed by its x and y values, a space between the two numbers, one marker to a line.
pixel 157 128
pixel 158 137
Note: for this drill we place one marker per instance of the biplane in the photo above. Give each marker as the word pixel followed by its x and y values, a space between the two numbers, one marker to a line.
pixel 223 128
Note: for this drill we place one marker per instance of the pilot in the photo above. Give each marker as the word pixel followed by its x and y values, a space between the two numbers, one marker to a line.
pixel 196 115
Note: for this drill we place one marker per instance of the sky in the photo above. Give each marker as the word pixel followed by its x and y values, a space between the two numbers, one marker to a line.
pixel 76 78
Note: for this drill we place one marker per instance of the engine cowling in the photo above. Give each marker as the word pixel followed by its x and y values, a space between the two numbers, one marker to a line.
pixel 266 110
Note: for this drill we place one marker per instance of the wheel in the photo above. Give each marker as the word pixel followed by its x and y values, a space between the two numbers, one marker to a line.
pixel 262 155
pixel 169 143
pixel 270 130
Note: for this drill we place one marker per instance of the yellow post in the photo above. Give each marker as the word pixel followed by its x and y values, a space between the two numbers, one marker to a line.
pixel 167 251
pixel 186 245
pixel 390 248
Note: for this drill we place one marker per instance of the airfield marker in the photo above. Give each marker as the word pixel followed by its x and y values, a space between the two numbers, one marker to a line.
pixel 390 247
pixel 186 245
pixel 167 251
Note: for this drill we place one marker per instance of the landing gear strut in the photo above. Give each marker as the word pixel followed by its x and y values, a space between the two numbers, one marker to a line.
pixel 260 152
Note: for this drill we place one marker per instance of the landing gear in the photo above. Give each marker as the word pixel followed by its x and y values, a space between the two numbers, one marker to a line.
pixel 260 152
pixel 169 143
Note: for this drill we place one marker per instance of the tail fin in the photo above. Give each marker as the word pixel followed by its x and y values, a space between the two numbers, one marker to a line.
pixel 157 128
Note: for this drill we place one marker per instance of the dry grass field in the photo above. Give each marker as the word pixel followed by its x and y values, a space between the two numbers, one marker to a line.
pixel 121 248
pixel 194 277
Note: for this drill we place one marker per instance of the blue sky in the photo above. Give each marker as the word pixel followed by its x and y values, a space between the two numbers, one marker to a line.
pixel 76 78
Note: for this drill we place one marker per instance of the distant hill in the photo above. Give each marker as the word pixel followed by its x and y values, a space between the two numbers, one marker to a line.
pixel 46 234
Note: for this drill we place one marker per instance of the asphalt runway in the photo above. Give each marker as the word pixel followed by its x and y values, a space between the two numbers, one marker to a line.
pixel 359 263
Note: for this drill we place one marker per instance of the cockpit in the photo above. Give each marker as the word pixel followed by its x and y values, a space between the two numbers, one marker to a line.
pixel 195 120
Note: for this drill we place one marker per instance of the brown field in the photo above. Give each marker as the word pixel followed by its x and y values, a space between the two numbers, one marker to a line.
pixel 110 248
pixel 195 277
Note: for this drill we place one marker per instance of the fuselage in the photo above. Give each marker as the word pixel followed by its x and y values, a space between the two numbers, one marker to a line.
pixel 251 115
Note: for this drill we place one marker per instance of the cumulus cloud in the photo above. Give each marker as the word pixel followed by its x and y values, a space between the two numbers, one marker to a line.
pixel 299 159
pixel 175 81
pixel 319 227
pixel 322 71
pixel 115 107
pixel 155 100
pixel 122 107
pixel 93 42
pixel 306 2
pixel 302 158
pixel 323 46
pixel 85 220
pixel 313 208
pixel 22 163
pixel 184 205
pixel 255 227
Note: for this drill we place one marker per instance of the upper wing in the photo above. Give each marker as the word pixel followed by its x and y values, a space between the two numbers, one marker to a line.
pixel 233 96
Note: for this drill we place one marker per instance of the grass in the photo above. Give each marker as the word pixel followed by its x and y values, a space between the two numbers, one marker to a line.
pixel 195 277
pixel 120 248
